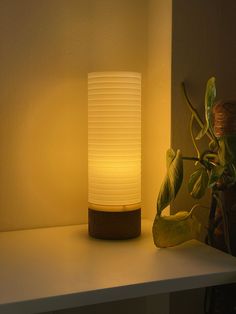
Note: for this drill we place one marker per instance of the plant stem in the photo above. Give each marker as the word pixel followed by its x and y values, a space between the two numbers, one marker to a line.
pixel 197 160
pixel 192 136
pixel 194 111
pixel 190 158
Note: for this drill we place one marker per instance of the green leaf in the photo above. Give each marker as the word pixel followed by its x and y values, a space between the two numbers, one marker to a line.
pixel 215 175
pixel 210 96
pixel 173 180
pixel 174 229
pixel 209 159
pixel 198 183
pixel 170 156
pixel 227 149
pixel 225 154
pixel 213 145
pixel 222 152
pixel 232 175
pixel 202 132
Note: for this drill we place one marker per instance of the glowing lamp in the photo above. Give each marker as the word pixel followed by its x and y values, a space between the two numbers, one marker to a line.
pixel 114 154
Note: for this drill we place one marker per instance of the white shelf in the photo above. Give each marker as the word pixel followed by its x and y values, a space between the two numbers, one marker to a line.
pixel 55 268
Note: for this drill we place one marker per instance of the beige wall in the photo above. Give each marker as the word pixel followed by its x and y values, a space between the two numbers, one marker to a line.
pixel 43 113
pixel 118 35
pixel 156 115
pixel 47 48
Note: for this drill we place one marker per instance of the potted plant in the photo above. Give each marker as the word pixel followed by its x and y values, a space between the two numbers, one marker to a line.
pixel 215 169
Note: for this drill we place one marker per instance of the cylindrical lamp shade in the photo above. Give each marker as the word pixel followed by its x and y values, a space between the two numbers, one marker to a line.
pixel 114 150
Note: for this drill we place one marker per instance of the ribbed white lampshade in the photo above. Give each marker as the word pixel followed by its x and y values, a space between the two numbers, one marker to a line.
pixel 114 140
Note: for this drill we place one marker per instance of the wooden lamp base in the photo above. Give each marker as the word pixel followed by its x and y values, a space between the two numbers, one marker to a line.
pixel 119 225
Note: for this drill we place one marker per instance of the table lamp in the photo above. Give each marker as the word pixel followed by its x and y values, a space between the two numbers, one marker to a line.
pixel 114 155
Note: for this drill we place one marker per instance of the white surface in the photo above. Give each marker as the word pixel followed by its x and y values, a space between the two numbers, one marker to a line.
pixel 55 268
